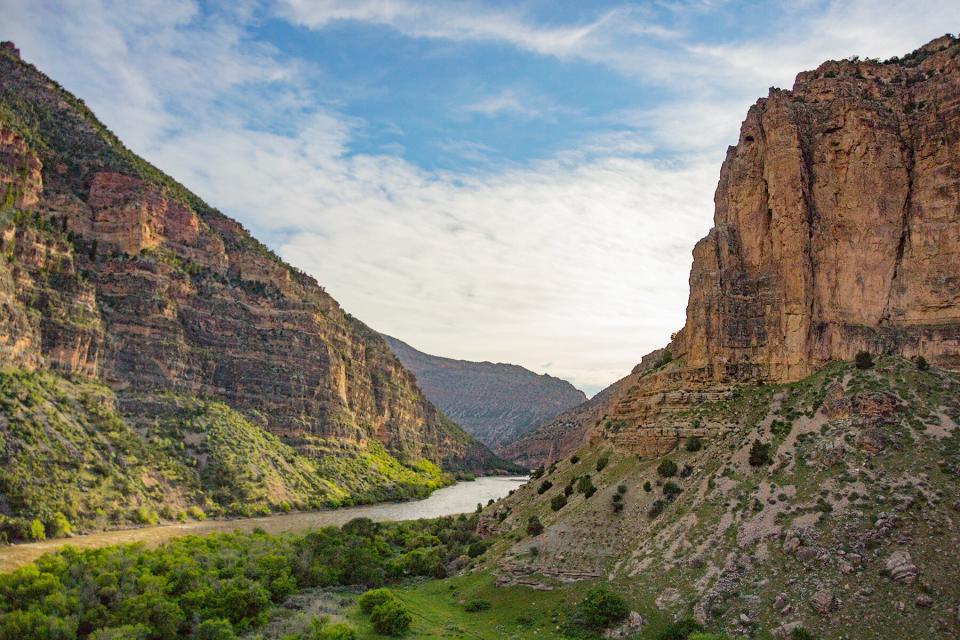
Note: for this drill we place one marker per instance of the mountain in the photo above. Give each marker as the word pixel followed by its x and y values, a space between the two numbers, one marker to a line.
pixel 753 476
pixel 836 231
pixel 158 356
pixel 496 403
pixel 563 434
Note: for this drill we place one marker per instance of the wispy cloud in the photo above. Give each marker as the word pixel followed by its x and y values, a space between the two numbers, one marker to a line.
pixel 578 258
pixel 506 101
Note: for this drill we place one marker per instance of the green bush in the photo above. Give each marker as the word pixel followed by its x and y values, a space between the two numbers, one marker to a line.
pixel 215 629
pixel 558 502
pixel 667 468
pixel 694 444
pixel 373 598
pixel 476 605
pixel 679 630
pixel 568 490
pixel 534 526
pixel 390 618
pixel 671 490
pixel 584 484
pixel 602 463
pixel 621 489
pixel 760 454
pixel 60 526
pixel 864 360
pixel 544 487
pixel 647 486
pixel 799 633
pixel 336 631
pixel 922 363
pixel 37 530
pixel 599 610
pixel 574 459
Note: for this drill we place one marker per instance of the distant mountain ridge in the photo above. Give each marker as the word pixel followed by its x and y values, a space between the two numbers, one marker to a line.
pixel 495 402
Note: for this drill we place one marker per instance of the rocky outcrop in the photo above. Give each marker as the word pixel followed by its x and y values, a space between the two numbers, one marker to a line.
pixel 837 227
pixel 116 271
pixel 495 402
pixel 836 230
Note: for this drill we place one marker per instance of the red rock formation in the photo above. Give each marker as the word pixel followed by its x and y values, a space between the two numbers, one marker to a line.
pixel 836 230
pixel 121 273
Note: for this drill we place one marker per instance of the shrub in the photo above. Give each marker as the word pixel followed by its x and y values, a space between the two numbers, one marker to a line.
pixel 335 631
pixel 686 471
pixel 602 463
pixel 534 526
pixel 476 605
pixel 37 530
pixel 60 526
pixel 568 490
pixel 373 598
pixel 584 484
pixel 574 459
pixel 558 502
pixel 864 360
pixel 215 629
pixel 922 363
pixel 537 473
pixel 799 633
pixel 759 454
pixel 390 618
pixel 679 630
pixel 600 609
pixel 544 487
pixel 617 497
pixel 647 486
pixel 196 513
pixel 694 444
pixel 667 468
pixel 665 359
pixel 656 508
pixel 621 489
pixel 477 549
pixel 146 516
pixel 671 490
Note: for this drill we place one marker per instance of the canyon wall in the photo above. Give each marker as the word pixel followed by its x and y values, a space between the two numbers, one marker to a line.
pixel 115 271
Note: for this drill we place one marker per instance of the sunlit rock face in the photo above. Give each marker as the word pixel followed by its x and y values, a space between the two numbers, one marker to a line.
pixel 836 230
pixel 837 224
pixel 114 270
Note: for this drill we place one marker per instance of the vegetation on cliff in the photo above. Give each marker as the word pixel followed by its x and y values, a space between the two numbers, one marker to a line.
pixel 71 462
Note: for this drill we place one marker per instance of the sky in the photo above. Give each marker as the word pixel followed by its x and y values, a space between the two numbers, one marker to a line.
pixel 515 181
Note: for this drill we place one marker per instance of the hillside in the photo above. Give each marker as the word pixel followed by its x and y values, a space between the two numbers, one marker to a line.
pixel 495 402
pixel 117 278
pixel 750 475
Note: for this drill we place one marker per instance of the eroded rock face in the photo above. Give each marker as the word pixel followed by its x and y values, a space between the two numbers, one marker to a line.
pixel 836 230
pixel 837 226
pixel 114 270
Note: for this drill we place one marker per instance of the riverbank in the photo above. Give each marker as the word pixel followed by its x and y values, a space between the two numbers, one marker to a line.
pixel 461 497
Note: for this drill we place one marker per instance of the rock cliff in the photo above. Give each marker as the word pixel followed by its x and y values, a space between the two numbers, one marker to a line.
pixel 495 402
pixel 116 272
pixel 836 230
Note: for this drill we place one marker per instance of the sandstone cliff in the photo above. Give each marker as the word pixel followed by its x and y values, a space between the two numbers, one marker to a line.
pixel 116 272
pixel 836 230
pixel 495 402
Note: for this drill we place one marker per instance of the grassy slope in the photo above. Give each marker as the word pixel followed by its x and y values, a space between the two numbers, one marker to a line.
pixel 67 453
pixel 731 519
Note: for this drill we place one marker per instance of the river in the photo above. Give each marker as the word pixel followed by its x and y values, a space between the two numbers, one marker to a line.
pixel 459 498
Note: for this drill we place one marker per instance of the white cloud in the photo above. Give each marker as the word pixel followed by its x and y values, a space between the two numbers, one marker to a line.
pixel 506 101
pixel 579 260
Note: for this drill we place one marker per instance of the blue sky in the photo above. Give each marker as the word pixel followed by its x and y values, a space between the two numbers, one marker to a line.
pixel 508 181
